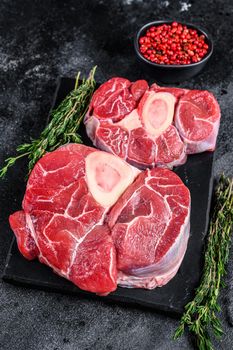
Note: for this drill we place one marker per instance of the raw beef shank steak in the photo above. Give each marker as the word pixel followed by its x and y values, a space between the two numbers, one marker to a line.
pixel 156 126
pixel 62 222
pixel 98 221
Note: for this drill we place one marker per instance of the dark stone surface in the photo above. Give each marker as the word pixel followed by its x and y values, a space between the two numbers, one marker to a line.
pixel 41 40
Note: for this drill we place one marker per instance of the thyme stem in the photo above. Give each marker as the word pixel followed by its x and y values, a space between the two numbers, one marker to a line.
pixel 200 314
pixel 63 126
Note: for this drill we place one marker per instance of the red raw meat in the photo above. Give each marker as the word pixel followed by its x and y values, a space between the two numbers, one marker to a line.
pixel 139 140
pixel 160 127
pixel 26 243
pixel 105 90
pixel 150 229
pixel 177 92
pixel 64 207
pixel 66 223
pixel 170 149
pixel 113 100
pixel 197 119
pixel 138 134
pixel 138 88
pixel 112 138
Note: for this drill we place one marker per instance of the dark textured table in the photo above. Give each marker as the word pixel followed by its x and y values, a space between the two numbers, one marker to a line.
pixel 41 40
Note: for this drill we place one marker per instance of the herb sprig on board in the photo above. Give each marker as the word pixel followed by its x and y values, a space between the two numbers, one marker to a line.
pixel 63 127
pixel 200 314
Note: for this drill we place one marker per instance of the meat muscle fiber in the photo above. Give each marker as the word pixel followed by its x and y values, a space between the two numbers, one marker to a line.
pixel 98 221
pixel 156 126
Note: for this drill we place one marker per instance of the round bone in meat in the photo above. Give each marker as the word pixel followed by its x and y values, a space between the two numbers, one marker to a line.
pixel 156 111
pixel 107 177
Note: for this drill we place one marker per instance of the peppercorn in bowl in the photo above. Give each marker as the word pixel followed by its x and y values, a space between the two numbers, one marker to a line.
pixel 173 51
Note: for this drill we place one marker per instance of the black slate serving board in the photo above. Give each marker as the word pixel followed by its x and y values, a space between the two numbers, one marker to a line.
pixel 196 173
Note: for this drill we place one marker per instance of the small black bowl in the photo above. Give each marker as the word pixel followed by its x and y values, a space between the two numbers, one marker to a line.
pixel 168 73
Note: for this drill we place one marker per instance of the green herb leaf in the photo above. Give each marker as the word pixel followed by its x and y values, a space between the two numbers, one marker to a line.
pixel 200 314
pixel 63 126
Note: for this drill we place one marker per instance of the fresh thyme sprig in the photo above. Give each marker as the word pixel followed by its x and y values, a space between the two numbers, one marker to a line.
pixel 200 314
pixel 63 127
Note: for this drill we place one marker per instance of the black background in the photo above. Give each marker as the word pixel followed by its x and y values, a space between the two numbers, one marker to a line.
pixel 41 40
